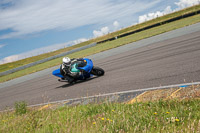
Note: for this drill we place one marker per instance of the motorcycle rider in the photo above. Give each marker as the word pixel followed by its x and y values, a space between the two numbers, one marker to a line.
pixel 67 66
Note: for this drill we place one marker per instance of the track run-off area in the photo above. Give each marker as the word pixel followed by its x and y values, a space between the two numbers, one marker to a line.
pixel 166 59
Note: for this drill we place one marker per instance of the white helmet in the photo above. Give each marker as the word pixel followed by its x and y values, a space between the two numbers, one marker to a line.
pixel 67 60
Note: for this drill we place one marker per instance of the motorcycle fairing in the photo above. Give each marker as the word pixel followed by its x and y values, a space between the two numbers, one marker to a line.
pixel 57 73
pixel 88 67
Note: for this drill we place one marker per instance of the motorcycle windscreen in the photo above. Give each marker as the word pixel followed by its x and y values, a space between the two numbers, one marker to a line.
pixel 57 73
pixel 89 65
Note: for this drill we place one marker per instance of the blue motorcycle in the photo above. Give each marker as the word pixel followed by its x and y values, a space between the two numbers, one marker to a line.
pixel 88 71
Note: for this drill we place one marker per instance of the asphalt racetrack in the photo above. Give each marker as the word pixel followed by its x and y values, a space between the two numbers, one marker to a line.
pixel 167 62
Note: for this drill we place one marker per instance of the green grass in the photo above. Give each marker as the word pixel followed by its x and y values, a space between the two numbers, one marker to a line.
pixel 159 116
pixel 108 45
pixel 8 66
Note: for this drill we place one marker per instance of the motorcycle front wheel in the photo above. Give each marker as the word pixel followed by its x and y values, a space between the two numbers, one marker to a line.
pixel 97 71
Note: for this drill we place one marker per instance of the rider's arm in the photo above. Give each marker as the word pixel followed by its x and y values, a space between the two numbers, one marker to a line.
pixel 74 59
pixel 80 62
pixel 65 69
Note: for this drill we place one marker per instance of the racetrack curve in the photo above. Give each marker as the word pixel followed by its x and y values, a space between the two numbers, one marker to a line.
pixel 172 61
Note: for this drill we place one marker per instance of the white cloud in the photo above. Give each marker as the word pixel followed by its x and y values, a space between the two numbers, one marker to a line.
pixel 35 52
pixel 186 3
pixel 167 10
pixel 103 31
pixel 2 45
pixel 32 16
pixel 9 59
pixel 80 40
pixel 40 51
pixel 153 15
pixel 181 4
pixel 116 24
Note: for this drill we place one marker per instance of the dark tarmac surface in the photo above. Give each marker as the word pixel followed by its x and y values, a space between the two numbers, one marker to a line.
pixel 168 62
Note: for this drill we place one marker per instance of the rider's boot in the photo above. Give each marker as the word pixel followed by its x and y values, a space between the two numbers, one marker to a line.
pixel 69 79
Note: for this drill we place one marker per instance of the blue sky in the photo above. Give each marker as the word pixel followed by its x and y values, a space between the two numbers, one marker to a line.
pixel 32 27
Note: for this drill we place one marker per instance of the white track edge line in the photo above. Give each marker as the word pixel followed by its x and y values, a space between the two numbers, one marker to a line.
pixel 121 92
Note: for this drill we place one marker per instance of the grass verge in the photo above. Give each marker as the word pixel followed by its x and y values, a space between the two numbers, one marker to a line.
pixel 8 66
pixel 108 45
pixel 155 111
pixel 157 116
